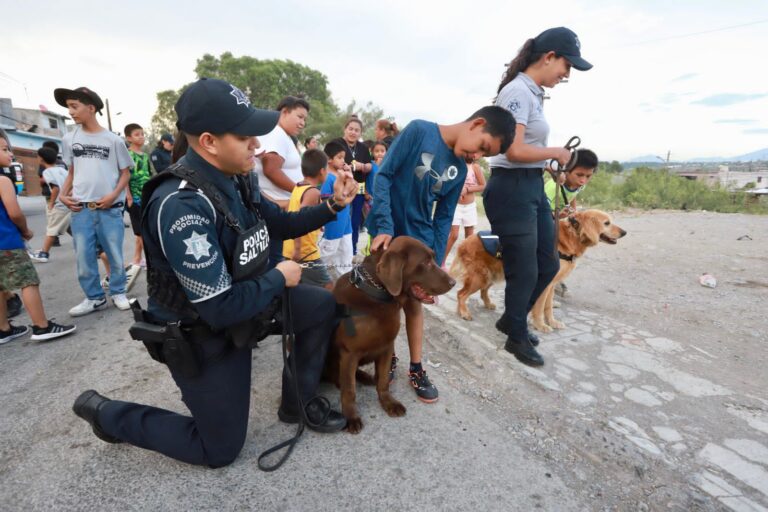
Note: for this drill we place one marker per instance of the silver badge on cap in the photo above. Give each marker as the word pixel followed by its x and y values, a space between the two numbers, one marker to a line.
pixel 240 96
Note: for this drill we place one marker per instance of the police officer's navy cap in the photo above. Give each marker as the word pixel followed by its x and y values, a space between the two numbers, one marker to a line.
pixel 218 107
pixel 167 137
pixel 81 93
pixel 564 43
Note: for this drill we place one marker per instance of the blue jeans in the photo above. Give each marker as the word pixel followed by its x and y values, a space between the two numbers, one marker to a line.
pixel 104 228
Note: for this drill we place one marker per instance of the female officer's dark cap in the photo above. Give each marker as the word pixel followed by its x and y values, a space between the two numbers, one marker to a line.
pixel 218 107
pixel 564 43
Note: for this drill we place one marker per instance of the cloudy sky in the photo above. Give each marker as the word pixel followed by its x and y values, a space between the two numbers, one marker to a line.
pixel 685 76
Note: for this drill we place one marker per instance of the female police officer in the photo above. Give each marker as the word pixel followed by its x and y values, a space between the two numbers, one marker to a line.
pixel 206 241
pixel 514 198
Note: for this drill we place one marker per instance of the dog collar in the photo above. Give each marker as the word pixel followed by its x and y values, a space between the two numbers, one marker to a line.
pixel 363 281
pixel 566 257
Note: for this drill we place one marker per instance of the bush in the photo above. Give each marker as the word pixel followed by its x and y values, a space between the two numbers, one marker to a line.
pixel 650 189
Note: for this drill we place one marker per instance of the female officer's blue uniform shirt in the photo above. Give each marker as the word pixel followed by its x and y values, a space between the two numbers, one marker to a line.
pixel 418 171
pixel 525 99
pixel 343 223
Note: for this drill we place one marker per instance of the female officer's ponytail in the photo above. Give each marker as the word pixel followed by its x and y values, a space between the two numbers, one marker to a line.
pixel 525 57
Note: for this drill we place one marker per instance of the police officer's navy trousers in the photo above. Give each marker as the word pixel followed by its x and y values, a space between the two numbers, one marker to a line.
pixel 219 398
pixel 520 215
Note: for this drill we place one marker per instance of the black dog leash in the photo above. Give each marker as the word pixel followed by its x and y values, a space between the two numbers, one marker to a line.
pixel 571 146
pixel 289 343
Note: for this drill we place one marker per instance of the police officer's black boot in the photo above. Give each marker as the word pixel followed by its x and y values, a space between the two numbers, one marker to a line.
pixel 524 351
pixel 316 413
pixel 87 406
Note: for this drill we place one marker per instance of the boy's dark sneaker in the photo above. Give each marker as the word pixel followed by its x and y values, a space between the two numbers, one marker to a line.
pixel 13 333
pixel 425 390
pixel 14 305
pixel 53 331
pixel 393 368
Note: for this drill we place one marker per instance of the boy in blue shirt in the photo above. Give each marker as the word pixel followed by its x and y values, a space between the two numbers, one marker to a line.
pixel 424 171
pixel 336 243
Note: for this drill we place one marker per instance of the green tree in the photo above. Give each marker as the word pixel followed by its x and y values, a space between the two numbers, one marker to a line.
pixel 266 82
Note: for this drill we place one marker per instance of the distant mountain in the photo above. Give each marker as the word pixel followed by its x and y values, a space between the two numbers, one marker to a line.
pixel 759 155
pixel 644 158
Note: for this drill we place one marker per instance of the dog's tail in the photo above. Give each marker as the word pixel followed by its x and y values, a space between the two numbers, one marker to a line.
pixel 457 265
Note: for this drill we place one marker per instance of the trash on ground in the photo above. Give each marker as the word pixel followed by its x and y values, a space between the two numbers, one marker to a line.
pixel 707 280
pixel 744 237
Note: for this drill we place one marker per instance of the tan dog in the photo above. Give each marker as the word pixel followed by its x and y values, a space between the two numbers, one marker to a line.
pixel 375 293
pixel 480 270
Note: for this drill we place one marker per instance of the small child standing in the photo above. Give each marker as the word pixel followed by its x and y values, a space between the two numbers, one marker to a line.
pixel 336 244
pixel 306 193
pixel 466 211
pixel 575 181
pixel 57 215
pixel 415 194
pixel 99 170
pixel 140 174
pixel 16 269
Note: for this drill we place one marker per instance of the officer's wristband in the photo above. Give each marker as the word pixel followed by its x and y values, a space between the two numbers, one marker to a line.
pixel 334 206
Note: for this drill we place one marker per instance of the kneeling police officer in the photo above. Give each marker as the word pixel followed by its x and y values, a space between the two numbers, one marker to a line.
pixel 211 295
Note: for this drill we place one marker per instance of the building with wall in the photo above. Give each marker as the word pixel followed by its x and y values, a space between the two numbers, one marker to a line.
pixel 27 129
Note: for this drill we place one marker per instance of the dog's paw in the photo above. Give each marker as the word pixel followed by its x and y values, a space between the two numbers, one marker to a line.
pixel 394 409
pixel 354 425
pixel 490 306
pixel 541 327
pixel 466 315
pixel 556 324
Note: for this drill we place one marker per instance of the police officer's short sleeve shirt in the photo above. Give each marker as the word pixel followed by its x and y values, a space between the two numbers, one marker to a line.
pixel 525 99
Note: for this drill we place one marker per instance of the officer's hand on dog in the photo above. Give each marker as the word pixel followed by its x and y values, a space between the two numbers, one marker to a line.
pixel 345 188
pixel 291 272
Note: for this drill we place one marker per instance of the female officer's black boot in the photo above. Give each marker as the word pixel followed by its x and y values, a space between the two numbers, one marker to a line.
pixel 524 351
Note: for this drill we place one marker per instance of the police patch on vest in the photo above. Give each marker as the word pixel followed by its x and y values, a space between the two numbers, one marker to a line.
pixel 198 245
pixel 252 252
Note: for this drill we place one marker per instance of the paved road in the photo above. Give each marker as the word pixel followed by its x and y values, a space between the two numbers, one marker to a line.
pixel 619 419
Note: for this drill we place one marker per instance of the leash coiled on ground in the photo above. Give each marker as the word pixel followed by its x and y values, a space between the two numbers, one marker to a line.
pixel 289 344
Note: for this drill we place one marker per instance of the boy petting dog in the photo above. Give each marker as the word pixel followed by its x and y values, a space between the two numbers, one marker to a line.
pixel 424 172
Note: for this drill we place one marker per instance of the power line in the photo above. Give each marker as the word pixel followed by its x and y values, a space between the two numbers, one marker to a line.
pixel 692 34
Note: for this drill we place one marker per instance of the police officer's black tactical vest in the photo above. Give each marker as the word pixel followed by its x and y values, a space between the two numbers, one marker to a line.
pixel 164 287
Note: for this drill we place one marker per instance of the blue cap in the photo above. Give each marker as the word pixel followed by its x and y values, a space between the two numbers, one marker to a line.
pixel 218 107
pixel 564 43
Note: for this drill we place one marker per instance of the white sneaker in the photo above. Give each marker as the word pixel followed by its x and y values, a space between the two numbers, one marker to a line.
pixel 88 306
pixel 121 302
pixel 39 257
pixel 131 273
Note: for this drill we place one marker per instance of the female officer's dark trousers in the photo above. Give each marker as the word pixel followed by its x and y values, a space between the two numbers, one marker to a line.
pixel 219 398
pixel 519 212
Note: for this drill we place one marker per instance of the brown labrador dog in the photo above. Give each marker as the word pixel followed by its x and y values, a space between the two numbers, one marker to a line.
pixel 375 293
pixel 479 270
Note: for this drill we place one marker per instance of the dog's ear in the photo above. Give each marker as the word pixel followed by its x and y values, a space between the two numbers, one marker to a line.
pixel 390 272
pixel 589 229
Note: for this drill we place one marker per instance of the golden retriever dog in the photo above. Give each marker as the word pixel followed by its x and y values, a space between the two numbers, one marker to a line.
pixel 479 270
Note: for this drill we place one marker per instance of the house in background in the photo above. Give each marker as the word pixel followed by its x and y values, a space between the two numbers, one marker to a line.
pixel 28 129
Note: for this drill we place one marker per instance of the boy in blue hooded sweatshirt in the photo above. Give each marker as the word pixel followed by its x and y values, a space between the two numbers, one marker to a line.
pixel 423 172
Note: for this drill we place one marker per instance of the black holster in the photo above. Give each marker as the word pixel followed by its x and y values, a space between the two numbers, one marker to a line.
pixel 249 333
pixel 166 343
